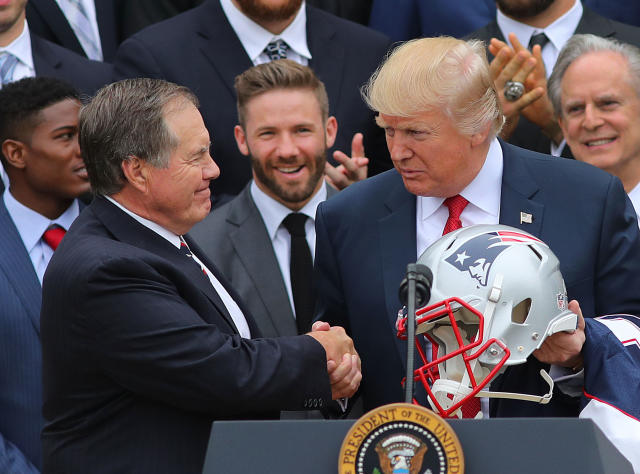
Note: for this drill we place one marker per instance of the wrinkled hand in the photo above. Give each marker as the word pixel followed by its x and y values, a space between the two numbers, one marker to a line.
pixel 539 111
pixel 343 362
pixel 351 169
pixel 564 348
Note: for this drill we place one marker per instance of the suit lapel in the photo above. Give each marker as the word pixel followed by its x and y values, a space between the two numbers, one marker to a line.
pixel 519 200
pixel 398 245
pixel 327 66
pixel 106 16
pixel 44 62
pixel 54 17
pixel 16 264
pixel 594 24
pixel 218 42
pixel 126 229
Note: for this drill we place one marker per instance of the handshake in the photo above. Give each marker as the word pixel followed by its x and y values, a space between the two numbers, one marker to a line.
pixel 343 362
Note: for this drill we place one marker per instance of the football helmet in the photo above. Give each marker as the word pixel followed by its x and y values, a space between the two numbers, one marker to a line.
pixel 497 293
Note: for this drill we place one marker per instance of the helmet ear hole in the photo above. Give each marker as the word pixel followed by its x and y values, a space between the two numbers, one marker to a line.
pixel 521 311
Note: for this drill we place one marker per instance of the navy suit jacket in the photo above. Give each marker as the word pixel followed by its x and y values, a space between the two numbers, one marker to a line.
pixel 52 60
pixel 581 212
pixel 140 354
pixel 199 49
pixel 47 20
pixel 527 134
pixel 20 355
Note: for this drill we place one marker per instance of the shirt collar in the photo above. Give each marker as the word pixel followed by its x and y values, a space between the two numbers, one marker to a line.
pixel 174 239
pixel 21 47
pixel 483 192
pixel 31 224
pixel 558 32
pixel 273 212
pixel 255 38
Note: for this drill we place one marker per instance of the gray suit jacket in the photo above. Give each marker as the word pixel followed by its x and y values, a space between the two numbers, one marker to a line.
pixel 235 238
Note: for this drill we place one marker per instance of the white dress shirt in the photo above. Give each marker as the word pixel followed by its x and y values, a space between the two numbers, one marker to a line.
pixel 232 307
pixel 32 225
pixel 273 213
pixel 483 194
pixel 255 38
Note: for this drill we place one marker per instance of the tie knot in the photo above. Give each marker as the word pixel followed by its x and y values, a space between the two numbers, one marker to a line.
pixel 276 49
pixel 456 205
pixel 8 63
pixel 539 39
pixel 53 236
pixel 294 223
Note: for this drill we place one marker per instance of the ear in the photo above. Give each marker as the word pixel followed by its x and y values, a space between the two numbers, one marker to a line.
pixel 136 172
pixel 331 131
pixel 562 124
pixel 14 152
pixel 241 140
pixel 480 137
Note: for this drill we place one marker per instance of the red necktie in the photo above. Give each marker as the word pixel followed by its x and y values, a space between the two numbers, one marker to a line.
pixel 53 236
pixel 456 205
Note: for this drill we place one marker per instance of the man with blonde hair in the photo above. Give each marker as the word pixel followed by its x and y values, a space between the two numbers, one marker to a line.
pixel 437 104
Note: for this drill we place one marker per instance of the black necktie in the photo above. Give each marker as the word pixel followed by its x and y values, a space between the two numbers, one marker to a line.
pixel 540 39
pixel 301 270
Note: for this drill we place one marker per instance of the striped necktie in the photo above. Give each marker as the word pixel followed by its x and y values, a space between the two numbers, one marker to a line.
pixel 8 63
pixel 78 18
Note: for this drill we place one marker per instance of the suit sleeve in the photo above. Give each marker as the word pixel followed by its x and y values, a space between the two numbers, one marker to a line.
pixel 138 329
pixel 12 460
pixel 618 272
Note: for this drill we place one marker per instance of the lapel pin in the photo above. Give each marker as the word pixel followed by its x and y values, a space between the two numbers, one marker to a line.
pixel 526 218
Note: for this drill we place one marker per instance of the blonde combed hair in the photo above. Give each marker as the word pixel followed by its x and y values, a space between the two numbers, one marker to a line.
pixel 437 73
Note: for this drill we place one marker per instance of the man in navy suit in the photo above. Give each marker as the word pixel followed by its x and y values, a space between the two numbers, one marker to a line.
pixel 144 344
pixel 440 111
pixel 38 133
pixel 207 47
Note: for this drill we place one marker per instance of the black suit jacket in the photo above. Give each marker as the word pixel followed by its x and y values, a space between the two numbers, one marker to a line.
pixel 47 20
pixel 52 60
pixel 527 134
pixel 581 212
pixel 200 50
pixel 140 354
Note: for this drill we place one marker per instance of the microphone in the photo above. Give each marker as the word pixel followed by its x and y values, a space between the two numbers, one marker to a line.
pixel 414 291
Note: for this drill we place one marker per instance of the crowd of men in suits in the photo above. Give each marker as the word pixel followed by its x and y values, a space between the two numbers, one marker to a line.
pixel 152 298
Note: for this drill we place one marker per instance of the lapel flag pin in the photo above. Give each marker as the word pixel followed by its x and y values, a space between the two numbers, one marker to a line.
pixel 526 218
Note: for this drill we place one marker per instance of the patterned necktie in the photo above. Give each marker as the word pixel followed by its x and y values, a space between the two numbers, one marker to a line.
pixel 8 63
pixel 276 50
pixel 456 205
pixel 78 18
pixel 186 251
pixel 540 39
pixel 53 236
pixel 301 271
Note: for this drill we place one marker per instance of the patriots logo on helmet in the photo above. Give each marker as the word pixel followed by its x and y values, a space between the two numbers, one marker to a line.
pixel 477 255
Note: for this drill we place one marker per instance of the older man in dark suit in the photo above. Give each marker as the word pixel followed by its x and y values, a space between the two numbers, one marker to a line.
pixel 205 48
pixel 450 172
pixel 144 342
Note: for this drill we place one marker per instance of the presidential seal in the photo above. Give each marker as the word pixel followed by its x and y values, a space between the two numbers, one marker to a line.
pixel 401 438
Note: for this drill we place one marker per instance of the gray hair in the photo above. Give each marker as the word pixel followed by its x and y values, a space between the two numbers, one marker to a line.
pixel 444 73
pixel 579 45
pixel 126 119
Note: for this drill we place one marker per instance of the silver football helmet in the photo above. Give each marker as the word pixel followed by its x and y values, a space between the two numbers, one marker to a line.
pixel 497 293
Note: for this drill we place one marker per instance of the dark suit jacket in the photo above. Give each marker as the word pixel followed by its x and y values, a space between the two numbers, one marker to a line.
pixel 47 20
pixel 140 354
pixel 527 134
pixel 52 60
pixel 581 212
pixel 235 237
pixel 200 50
pixel 20 356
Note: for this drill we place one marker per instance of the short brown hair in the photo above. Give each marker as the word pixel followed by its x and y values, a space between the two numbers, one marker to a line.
pixel 280 74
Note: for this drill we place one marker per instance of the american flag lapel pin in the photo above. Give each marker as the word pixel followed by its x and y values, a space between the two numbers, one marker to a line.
pixel 525 218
